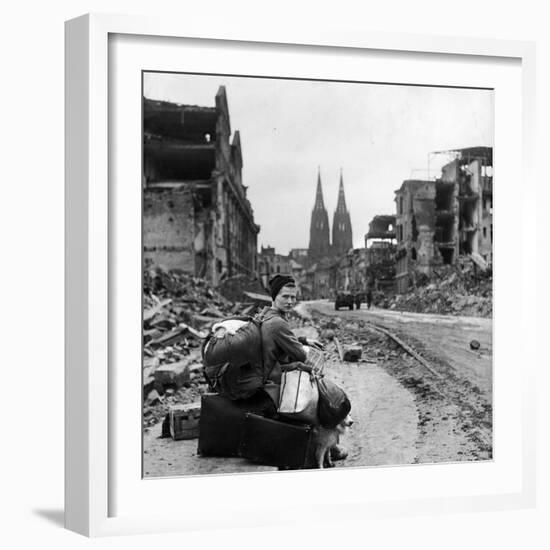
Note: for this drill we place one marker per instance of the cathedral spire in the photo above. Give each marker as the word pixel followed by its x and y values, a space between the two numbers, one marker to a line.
pixel 319 202
pixel 342 239
pixel 341 205
pixel 319 233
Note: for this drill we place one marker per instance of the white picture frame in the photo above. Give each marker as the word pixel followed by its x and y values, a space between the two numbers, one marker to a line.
pixel 99 501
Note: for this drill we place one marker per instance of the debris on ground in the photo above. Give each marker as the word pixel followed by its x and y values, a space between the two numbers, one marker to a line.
pixel 452 290
pixel 179 311
pixel 237 287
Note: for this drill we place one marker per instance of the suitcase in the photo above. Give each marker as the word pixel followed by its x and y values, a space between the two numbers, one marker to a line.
pixel 275 443
pixel 220 426
pixel 222 420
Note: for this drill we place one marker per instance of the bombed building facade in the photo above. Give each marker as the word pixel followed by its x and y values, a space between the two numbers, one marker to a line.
pixel 270 263
pixel 380 248
pixel 439 221
pixel 196 215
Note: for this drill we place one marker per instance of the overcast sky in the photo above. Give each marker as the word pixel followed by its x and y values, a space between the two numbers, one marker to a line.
pixel 378 134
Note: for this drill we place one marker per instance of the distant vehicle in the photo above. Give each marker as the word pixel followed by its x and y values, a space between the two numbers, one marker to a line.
pixel 359 298
pixel 344 299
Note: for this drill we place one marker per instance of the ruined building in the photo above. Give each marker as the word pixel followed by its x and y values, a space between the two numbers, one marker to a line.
pixel 300 255
pixel 319 280
pixel 196 215
pixel 270 264
pixel 439 220
pixel 470 176
pixel 342 240
pixel 350 273
pixel 319 233
pixel 380 247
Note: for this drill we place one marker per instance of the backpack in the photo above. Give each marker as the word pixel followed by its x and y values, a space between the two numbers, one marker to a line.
pixel 333 405
pixel 233 360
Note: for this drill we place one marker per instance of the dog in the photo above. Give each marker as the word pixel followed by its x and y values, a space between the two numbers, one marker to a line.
pixel 326 438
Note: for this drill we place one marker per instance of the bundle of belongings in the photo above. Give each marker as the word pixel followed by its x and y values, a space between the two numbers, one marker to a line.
pixel 233 357
pixel 291 425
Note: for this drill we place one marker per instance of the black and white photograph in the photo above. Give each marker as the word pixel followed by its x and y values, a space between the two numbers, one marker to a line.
pixel 317 274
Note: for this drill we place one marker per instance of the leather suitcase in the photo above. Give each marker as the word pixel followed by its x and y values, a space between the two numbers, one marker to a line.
pixel 220 426
pixel 275 443
pixel 222 421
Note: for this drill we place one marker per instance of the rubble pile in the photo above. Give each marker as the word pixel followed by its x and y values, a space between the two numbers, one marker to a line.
pixel 350 336
pixel 452 290
pixel 233 288
pixel 178 312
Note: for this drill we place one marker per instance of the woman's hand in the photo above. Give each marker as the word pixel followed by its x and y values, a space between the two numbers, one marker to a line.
pixel 315 344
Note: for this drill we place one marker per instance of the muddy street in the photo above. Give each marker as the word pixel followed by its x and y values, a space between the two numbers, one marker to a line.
pixel 403 412
pixel 454 403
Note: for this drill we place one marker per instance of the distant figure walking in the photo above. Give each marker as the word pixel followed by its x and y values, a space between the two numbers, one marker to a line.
pixel 369 297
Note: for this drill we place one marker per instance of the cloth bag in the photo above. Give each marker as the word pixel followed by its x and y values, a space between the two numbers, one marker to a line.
pixel 334 404
pixel 299 396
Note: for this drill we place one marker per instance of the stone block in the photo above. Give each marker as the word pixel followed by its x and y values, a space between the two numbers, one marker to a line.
pixel 173 375
pixel 153 398
pixel 352 353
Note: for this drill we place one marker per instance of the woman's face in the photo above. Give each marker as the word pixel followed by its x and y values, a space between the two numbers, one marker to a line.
pixel 286 299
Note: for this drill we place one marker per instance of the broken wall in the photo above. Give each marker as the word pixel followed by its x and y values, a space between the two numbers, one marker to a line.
pixel 416 228
pixel 446 225
pixel 206 225
pixel 169 228
pixel 486 233
pixel 421 227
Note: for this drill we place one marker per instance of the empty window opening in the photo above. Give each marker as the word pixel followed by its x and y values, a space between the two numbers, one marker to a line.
pixel 468 216
pixel 444 197
pixel 447 255
pixel 444 231
pixel 414 229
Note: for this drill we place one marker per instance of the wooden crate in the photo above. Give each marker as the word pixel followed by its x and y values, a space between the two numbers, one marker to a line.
pixel 184 421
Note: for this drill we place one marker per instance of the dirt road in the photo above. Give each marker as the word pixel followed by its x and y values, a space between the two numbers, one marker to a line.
pixel 444 337
pixel 455 409
pixel 403 414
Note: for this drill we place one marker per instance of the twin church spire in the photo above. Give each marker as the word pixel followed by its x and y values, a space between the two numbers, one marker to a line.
pixel 319 232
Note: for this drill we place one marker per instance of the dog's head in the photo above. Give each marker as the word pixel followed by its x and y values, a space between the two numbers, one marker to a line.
pixel 345 424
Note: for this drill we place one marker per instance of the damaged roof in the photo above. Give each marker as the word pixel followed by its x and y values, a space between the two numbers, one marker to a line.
pixel 480 151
